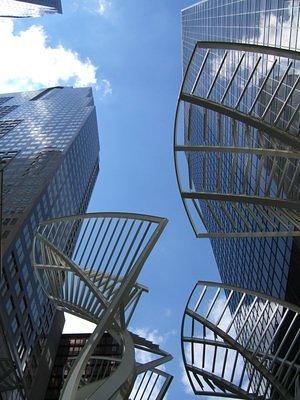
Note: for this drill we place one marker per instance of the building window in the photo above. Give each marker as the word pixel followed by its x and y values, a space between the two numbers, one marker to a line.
pixel 29 289
pixel 18 288
pixel 3 285
pixel 25 271
pixel 5 234
pixel 19 250
pixel 28 326
pixel 9 306
pixel 22 305
pixel 7 126
pixel 21 347
pixel 4 110
pixel 34 311
pixel 15 324
pixel 12 265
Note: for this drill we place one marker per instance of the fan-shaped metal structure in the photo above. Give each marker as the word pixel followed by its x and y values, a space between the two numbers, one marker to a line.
pixel 237 158
pixel 241 344
pixel 97 280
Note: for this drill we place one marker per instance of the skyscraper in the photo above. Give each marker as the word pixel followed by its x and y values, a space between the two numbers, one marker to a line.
pixel 259 251
pixel 49 142
pixel 29 8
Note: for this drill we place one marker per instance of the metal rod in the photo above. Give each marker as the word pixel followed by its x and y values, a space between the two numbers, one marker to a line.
pixel 292 118
pixel 258 123
pixel 232 78
pixel 241 150
pixel 240 198
pixel 247 82
pixel 266 109
pixel 200 71
pixel 262 86
pixel 216 75
pixel 286 100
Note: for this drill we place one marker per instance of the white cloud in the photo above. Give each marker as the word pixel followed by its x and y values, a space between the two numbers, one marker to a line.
pixel 168 312
pixel 30 62
pixel 105 87
pixel 153 336
pixel 103 6
pixel 185 381
pixel 150 334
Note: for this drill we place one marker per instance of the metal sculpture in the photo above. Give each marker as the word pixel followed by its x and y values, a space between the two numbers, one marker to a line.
pixel 241 344
pixel 96 280
pixel 238 156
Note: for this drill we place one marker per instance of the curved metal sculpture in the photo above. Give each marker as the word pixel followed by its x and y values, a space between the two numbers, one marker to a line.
pixel 241 344
pixel 98 283
pixel 238 156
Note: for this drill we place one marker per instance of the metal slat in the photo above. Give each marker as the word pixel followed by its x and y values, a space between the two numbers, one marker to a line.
pixel 216 75
pixel 200 71
pixel 247 83
pixel 266 109
pixel 232 78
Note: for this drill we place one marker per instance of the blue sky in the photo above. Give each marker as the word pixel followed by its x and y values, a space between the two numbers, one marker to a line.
pixel 136 47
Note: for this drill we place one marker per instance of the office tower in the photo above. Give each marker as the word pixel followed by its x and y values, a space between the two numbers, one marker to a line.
pixel 29 8
pixel 240 147
pixel 98 283
pixel 49 143
pixel 259 251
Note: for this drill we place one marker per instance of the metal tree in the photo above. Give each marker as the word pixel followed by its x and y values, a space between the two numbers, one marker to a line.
pixel 241 344
pixel 97 280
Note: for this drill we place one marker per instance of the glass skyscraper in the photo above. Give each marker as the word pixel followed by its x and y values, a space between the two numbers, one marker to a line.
pixel 266 264
pixel 29 8
pixel 49 151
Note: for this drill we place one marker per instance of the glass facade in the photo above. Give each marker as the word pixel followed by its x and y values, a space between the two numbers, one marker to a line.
pixel 49 142
pixel 29 8
pixel 264 264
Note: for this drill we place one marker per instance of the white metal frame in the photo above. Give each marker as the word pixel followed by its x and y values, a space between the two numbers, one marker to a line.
pixel 239 343
pixel 268 143
pixel 96 281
